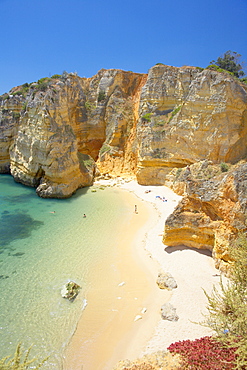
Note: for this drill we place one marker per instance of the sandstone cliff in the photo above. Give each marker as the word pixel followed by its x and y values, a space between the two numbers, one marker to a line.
pixel 129 123
pixel 58 133
pixel 213 210
pixel 188 115
pixel 51 137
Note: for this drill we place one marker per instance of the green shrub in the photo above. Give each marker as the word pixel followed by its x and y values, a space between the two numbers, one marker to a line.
pixel 244 80
pixel 227 307
pixel 101 96
pixel 230 62
pixel 16 115
pixel 43 79
pixel 224 167
pixel 174 112
pixel 56 76
pixel 105 148
pixel 85 160
pixel 42 86
pixel 147 117
pixel 89 106
pixel 4 96
pixel 19 92
pixel 16 363
pixel 214 67
pixel 24 107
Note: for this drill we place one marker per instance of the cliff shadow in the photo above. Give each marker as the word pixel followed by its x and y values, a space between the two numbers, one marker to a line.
pixel 180 248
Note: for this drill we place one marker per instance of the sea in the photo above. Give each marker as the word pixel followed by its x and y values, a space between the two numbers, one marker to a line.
pixel 45 243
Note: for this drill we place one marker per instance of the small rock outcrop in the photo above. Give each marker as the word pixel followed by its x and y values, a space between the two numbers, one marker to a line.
pixel 166 281
pixel 70 290
pixel 168 312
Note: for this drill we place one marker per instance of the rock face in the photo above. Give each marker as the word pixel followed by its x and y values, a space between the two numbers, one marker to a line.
pixel 46 135
pixel 58 133
pixel 129 123
pixel 212 212
pixel 187 115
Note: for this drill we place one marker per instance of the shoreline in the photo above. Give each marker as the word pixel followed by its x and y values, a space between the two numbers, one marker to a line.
pixel 129 290
pixel 193 270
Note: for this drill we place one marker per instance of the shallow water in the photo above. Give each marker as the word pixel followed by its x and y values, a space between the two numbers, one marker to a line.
pixel 39 252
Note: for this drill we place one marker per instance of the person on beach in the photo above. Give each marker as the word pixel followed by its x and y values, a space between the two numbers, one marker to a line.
pixel 136 208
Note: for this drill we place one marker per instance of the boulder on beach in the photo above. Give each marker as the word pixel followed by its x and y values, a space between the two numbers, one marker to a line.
pixel 70 290
pixel 166 281
pixel 168 312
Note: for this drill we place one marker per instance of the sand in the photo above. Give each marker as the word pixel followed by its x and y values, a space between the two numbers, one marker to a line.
pixel 131 308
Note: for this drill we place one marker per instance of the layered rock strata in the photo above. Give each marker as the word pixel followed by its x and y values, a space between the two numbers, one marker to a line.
pixel 213 211
pixel 187 115
pixel 129 123
pixel 58 133
pixel 64 125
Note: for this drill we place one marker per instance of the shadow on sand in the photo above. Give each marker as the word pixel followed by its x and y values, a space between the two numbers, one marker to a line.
pixel 181 248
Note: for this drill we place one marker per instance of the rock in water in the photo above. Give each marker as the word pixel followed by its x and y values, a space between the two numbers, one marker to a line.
pixel 70 290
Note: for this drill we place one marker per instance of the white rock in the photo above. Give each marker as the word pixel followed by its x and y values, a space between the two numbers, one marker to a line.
pixel 121 284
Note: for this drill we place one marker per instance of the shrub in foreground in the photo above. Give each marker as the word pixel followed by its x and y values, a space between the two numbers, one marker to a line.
pixel 204 354
pixel 19 363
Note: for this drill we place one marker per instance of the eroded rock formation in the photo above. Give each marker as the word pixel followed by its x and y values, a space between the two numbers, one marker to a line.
pixel 58 133
pixel 213 210
pixel 187 115
pixel 128 122
pixel 51 138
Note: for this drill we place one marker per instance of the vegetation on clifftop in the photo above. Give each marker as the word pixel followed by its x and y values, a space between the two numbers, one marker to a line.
pixel 230 63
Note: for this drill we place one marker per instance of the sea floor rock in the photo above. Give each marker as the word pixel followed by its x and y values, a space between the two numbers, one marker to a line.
pixel 70 290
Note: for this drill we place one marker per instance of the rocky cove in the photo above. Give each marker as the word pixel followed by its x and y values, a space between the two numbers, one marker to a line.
pixel 185 128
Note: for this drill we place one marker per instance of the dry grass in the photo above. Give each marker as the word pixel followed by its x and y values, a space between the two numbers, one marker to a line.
pixel 156 361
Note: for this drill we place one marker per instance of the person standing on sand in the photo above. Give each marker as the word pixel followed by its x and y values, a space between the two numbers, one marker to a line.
pixel 136 208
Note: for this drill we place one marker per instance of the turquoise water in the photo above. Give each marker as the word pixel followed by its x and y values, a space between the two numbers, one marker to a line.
pixel 39 252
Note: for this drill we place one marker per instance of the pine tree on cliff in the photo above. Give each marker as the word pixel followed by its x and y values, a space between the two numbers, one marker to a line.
pixel 230 62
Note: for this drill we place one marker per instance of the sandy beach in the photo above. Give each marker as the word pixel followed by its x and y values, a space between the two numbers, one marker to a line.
pixel 133 322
